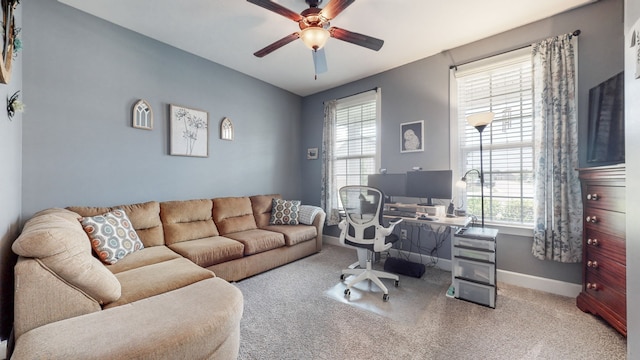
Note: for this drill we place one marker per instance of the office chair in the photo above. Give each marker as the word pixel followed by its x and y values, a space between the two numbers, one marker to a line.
pixel 362 228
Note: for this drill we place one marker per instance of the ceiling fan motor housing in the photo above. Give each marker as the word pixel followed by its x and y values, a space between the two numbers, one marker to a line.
pixel 313 3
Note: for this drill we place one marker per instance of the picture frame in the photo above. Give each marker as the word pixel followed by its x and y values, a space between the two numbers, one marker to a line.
pixel 412 136
pixel 312 153
pixel 142 115
pixel 189 131
pixel 226 129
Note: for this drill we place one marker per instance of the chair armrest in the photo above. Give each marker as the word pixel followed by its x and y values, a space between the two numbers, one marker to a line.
pixel 386 231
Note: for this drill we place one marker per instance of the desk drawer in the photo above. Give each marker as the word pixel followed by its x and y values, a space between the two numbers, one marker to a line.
pixel 474 243
pixel 484 272
pixel 477 293
pixel 489 256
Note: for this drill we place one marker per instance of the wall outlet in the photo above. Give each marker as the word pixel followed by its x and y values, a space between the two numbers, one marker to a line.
pixel 403 234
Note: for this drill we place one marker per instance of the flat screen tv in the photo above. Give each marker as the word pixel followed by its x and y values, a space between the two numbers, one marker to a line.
pixel 430 184
pixel 605 145
pixel 389 184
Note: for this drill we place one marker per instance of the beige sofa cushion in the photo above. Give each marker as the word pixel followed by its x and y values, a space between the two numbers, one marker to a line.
pixel 144 257
pixel 145 218
pixel 233 214
pixel 187 220
pixel 209 251
pixel 261 206
pixel 147 281
pixel 56 238
pixel 295 234
pixel 257 240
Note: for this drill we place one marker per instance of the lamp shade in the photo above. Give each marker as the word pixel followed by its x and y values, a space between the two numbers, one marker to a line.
pixel 314 37
pixel 480 119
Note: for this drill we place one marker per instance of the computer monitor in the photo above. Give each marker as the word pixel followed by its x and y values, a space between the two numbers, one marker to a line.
pixel 430 184
pixel 389 184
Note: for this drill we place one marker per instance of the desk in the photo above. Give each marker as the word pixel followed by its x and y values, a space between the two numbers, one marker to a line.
pixel 458 221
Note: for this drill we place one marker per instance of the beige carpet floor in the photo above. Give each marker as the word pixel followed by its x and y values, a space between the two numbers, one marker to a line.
pixel 298 311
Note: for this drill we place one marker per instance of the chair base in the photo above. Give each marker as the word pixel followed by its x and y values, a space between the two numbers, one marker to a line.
pixel 369 274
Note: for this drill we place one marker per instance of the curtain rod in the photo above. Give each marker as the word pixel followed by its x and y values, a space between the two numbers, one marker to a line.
pixel 455 66
pixel 358 93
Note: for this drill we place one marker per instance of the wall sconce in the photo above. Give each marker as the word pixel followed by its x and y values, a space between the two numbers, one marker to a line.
pixel 14 105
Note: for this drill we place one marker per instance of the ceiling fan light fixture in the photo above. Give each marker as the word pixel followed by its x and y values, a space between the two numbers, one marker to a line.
pixel 314 37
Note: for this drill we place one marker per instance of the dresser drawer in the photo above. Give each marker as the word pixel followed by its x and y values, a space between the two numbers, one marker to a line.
pixel 596 287
pixel 608 245
pixel 612 273
pixel 605 197
pixel 604 221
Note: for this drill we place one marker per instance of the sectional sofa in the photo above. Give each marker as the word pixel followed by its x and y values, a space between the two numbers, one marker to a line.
pixel 167 298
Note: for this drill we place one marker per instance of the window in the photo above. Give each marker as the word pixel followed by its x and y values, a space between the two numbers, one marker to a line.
pixel 356 139
pixel 503 85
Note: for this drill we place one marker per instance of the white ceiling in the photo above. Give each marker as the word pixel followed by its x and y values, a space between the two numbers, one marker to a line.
pixel 228 32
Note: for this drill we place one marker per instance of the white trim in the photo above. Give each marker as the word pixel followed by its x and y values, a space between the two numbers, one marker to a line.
pixel 552 286
pixel 539 283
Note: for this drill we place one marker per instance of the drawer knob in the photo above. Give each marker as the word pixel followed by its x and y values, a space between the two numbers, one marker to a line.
pixel 592 219
pixel 593 286
pixel 593 242
pixel 592 264
pixel 593 197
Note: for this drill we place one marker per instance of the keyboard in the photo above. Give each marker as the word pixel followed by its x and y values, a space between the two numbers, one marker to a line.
pixel 399 213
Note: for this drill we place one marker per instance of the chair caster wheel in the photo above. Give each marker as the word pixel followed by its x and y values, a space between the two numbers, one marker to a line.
pixel 342 276
pixel 347 292
pixel 385 297
pixel 397 283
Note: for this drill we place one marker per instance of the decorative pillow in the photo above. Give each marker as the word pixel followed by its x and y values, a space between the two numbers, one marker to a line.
pixel 307 213
pixel 284 212
pixel 112 235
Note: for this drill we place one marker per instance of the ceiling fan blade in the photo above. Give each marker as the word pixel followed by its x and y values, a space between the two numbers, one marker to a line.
pixel 276 8
pixel 319 61
pixel 276 45
pixel 355 38
pixel 334 8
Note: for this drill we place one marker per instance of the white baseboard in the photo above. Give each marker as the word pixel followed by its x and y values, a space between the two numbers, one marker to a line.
pixel 518 279
pixel 3 349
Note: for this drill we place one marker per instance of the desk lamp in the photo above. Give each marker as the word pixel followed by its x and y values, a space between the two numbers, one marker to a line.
pixel 480 121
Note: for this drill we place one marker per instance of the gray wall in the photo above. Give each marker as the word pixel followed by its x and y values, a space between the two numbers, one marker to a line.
pixel 85 74
pixel 419 91
pixel 10 189
pixel 632 133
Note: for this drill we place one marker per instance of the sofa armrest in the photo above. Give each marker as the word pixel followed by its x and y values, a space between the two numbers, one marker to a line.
pixel 318 222
pixel 199 321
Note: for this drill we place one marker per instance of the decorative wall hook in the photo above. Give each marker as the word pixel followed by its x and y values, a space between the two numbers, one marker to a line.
pixel 14 105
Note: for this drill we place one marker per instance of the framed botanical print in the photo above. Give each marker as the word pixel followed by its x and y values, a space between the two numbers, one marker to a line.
pixel 189 131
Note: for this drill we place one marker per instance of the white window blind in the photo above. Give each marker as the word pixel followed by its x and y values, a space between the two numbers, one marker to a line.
pixel 502 85
pixel 356 139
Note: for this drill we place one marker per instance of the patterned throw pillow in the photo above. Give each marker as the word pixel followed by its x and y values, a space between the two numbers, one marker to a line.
pixel 112 235
pixel 284 212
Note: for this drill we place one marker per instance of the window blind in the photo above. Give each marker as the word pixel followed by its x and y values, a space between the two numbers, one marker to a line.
pixel 356 139
pixel 504 86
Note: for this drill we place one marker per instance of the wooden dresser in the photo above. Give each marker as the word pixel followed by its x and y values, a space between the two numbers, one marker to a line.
pixel 604 245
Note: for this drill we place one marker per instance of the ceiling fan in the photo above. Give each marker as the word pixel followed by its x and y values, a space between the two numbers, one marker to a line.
pixel 315 30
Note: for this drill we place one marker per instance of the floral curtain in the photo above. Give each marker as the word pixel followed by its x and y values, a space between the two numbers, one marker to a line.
pixel 329 200
pixel 557 195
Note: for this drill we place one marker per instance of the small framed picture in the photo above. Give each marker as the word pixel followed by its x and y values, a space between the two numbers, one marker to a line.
pixel 189 132
pixel 411 136
pixel 142 115
pixel 312 153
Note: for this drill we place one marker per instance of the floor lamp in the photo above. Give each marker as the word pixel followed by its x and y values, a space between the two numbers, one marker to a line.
pixel 480 121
